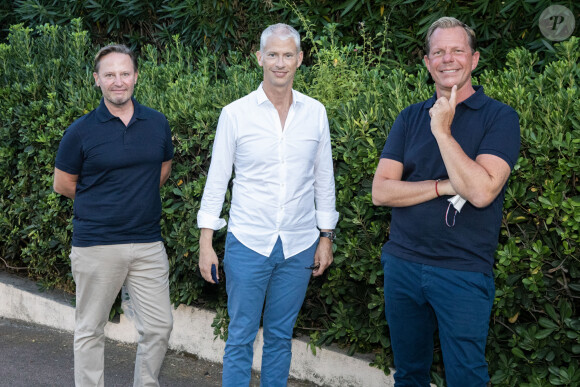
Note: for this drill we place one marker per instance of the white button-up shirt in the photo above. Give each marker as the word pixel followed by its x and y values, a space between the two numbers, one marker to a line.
pixel 283 183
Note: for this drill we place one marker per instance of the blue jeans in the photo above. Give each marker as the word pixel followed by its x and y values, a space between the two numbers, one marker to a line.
pixel 420 298
pixel 252 278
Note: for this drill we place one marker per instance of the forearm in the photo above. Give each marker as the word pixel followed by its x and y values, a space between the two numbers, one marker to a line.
pixel 65 191
pixel 397 193
pixel 467 177
pixel 205 238
pixel 390 190
pixel 65 183
pixel 165 172
pixel 163 180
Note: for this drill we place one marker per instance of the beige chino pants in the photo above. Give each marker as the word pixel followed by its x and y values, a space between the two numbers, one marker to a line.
pixel 99 273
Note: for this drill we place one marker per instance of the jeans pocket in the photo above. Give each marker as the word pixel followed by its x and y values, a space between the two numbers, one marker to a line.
pixel 230 240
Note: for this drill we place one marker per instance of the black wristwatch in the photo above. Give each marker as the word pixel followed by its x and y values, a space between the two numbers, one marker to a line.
pixel 328 234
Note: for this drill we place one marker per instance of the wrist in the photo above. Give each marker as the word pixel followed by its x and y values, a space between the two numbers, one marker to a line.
pixel 442 133
pixel 205 244
pixel 330 235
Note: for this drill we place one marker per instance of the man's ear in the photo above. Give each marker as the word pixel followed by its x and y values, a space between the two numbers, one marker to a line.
pixel 475 60
pixel 426 60
pixel 259 56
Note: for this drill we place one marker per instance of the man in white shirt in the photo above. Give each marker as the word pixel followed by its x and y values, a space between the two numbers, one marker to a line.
pixel 282 212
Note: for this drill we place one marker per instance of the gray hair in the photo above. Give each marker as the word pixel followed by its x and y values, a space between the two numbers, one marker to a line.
pixel 119 48
pixel 450 22
pixel 283 31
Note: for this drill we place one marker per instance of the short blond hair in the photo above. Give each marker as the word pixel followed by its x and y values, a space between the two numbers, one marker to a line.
pixel 450 22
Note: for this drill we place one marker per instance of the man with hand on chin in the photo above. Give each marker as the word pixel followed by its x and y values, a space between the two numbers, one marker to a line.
pixel 444 170
pixel 112 162
pixel 282 212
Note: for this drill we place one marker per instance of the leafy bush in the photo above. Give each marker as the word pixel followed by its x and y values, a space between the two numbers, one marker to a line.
pixel 220 25
pixel 46 83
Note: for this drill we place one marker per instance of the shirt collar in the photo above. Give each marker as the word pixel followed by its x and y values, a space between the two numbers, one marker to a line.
pixel 475 100
pixel 261 96
pixel 104 115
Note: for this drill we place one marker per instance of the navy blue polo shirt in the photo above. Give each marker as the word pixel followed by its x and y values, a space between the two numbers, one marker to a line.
pixel 419 233
pixel 119 167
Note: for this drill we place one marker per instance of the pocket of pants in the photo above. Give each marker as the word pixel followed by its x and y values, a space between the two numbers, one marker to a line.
pixel 485 284
pixel 229 241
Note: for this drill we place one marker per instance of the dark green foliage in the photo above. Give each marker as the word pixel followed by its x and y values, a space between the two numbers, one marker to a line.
pixel 222 25
pixel 500 25
pixel 46 83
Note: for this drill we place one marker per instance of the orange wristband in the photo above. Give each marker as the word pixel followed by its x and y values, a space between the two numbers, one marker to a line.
pixel 437 192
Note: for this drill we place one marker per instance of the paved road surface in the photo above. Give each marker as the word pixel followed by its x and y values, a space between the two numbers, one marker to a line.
pixel 34 355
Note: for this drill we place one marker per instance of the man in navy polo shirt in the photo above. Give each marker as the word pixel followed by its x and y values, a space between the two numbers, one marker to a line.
pixel 112 162
pixel 444 170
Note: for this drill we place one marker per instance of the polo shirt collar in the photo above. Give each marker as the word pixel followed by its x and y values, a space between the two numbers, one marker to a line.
pixel 475 101
pixel 261 96
pixel 104 115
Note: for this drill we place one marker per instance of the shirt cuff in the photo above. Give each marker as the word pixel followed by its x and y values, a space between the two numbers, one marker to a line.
pixel 326 220
pixel 205 220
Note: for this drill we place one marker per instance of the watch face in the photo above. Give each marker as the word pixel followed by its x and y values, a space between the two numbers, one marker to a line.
pixel 328 234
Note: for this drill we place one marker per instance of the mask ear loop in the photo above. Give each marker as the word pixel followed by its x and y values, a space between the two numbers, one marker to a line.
pixel 447 215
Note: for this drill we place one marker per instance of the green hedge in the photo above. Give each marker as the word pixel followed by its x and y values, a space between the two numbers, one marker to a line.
pixel 46 83
pixel 222 25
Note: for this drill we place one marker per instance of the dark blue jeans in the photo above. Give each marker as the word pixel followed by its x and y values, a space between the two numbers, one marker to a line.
pixel 420 298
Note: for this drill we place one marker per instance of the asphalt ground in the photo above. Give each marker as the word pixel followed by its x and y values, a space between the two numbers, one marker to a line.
pixel 35 355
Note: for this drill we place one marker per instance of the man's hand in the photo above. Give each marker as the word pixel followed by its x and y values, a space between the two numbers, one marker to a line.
pixel 322 256
pixel 442 114
pixel 207 255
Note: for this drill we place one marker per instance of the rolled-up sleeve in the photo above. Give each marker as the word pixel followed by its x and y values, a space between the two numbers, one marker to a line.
pixel 220 172
pixel 324 191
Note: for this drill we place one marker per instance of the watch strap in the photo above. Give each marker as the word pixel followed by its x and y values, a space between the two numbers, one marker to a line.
pixel 328 234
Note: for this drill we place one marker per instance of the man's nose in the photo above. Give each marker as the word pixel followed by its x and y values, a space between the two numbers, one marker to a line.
pixel 280 61
pixel 448 56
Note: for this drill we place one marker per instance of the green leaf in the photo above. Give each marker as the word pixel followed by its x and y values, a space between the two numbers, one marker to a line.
pixel 551 312
pixel 547 323
pixel 542 334
pixel 518 353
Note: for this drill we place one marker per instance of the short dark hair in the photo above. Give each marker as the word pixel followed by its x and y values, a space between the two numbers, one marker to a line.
pixel 450 22
pixel 120 48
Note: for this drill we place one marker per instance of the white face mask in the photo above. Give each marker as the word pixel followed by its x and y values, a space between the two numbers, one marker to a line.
pixel 457 202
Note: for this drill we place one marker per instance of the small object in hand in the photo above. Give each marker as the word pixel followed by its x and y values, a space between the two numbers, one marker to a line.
pixel 213 274
pixel 316 266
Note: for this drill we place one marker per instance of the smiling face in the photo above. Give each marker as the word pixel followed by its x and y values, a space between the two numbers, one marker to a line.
pixel 116 78
pixel 450 61
pixel 279 59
